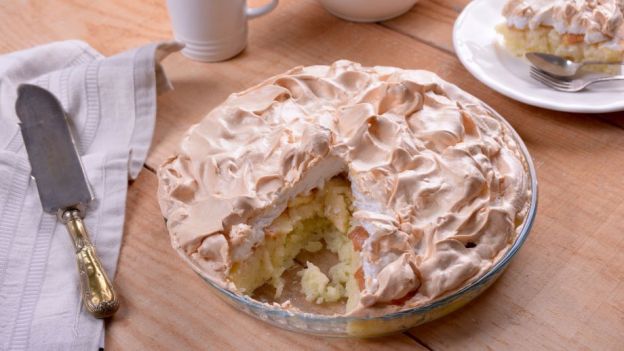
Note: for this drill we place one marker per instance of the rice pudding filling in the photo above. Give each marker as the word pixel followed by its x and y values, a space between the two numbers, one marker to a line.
pixel 413 186
pixel 319 219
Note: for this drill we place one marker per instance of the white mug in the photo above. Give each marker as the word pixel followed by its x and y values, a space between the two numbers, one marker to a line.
pixel 213 30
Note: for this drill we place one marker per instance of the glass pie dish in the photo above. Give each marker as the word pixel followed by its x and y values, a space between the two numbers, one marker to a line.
pixel 349 326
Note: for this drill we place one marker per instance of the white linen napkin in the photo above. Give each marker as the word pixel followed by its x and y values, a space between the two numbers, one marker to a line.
pixel 111 104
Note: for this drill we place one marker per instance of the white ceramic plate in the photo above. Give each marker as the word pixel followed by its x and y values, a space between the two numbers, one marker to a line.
pixel 479 49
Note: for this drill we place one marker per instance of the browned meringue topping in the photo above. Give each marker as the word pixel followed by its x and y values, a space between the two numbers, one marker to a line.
pixel 438 180
pixel 598 20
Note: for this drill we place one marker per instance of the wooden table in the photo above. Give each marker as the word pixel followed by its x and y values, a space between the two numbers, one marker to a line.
pixel 564 290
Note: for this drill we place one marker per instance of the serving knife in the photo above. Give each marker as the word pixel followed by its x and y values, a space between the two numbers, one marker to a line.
pixel 63 188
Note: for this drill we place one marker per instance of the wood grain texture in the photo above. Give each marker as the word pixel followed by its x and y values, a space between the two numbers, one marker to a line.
pixel 564 290
pixel 430 22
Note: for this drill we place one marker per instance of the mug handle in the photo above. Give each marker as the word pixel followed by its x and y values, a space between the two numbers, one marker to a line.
pixel 254 12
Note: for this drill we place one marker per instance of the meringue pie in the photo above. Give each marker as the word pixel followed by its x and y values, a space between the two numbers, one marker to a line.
pixel 580 30
pixel 412 186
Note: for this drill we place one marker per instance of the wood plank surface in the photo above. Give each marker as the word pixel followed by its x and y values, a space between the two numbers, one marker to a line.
pixel 430 22
pixel 563 291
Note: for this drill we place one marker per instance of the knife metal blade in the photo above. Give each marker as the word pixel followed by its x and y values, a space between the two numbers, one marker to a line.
pixel 56 167
pixel 63 188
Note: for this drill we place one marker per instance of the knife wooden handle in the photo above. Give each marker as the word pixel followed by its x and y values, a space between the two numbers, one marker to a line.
pixel 97 291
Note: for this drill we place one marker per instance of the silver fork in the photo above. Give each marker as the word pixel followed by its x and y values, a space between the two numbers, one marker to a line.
pixel 568 85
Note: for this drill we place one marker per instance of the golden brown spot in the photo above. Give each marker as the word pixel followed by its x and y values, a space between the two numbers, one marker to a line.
pixel 359 277
pixel 358 235
pixel 573 38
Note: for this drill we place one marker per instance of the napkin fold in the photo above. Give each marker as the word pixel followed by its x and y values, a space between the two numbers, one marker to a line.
pixel 111 105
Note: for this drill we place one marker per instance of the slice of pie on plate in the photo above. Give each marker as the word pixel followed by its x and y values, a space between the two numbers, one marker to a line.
pixel 581 30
